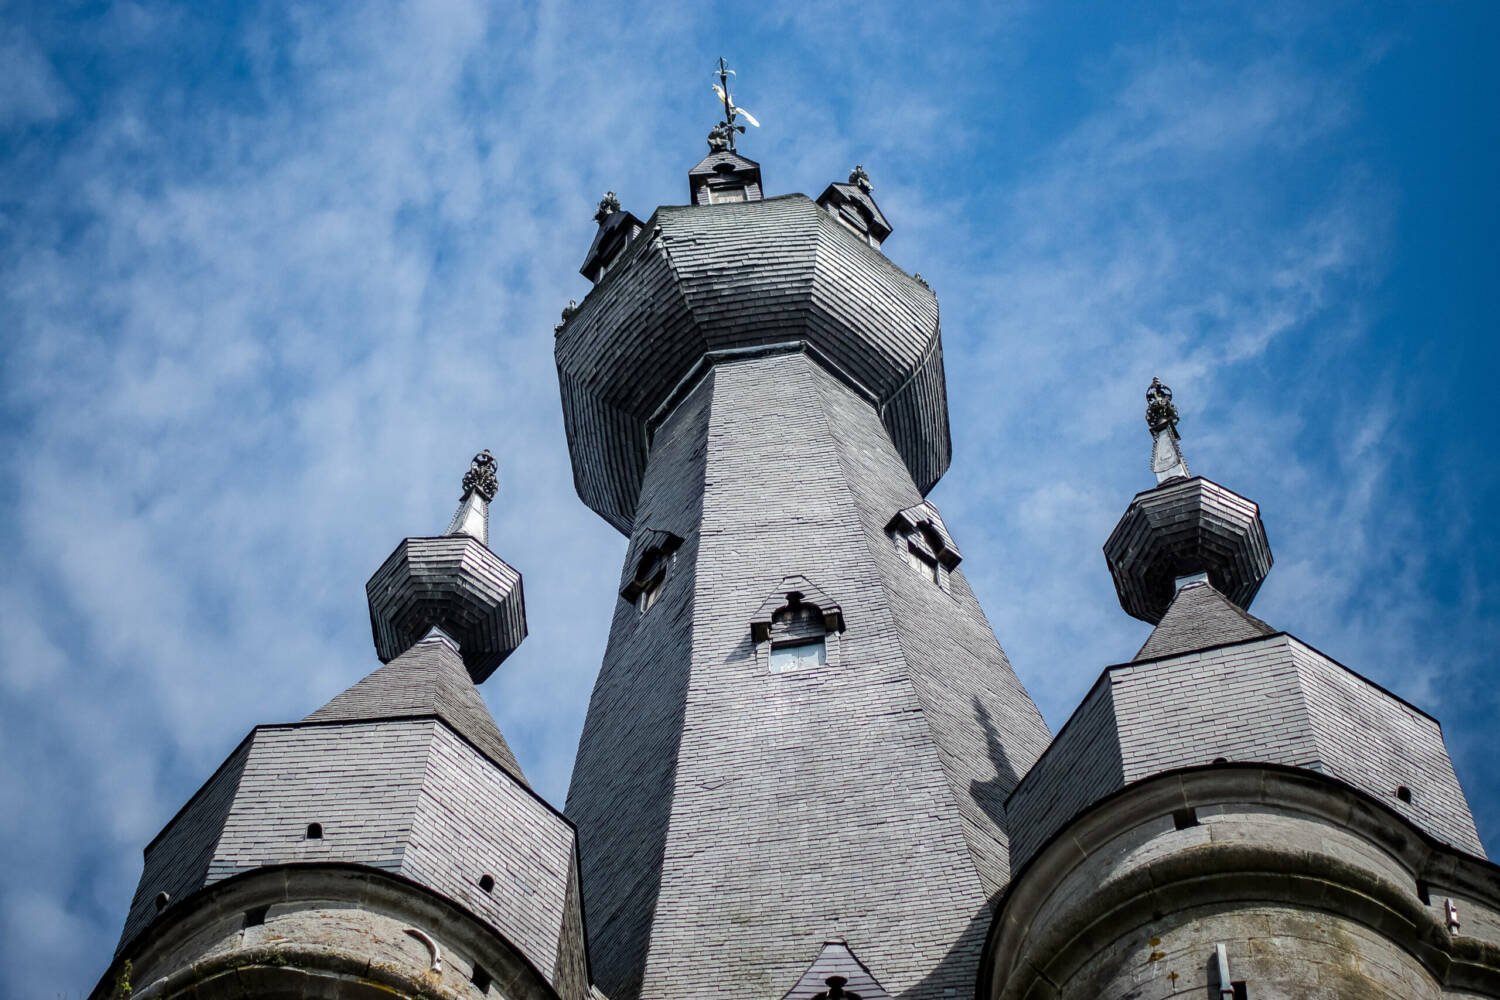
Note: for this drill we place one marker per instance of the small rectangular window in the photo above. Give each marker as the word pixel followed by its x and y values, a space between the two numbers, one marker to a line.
pixel 925 566
pixel 798 657
pixel 720 196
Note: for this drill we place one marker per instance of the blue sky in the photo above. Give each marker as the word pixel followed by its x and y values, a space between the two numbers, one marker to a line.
pixel 271 273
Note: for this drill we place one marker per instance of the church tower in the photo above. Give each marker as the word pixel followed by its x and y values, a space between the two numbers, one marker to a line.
pixel 804 730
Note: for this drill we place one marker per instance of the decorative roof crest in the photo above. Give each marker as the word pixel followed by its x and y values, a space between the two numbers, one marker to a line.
pixel 722 135
pixel 481 477
pixel 860 179
pixel 608 205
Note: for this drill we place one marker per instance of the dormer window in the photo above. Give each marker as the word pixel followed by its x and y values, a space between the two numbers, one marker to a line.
pixel 724 176
pixel 855 208
pixel 922 562
pixel 796 628
pixel 658 552
pixel 919 534
pixel 798 636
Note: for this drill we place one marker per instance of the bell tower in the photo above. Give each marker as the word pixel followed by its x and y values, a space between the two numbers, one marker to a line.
pixel 803 730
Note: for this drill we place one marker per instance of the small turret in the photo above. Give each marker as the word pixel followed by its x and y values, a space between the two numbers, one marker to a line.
pixel 854 206
pixel 453 583
pixel 616 229
pixel 1186 528
pixel 387 844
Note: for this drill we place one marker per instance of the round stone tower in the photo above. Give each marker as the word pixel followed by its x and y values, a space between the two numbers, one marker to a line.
pixel 388 844
pixel 1233 814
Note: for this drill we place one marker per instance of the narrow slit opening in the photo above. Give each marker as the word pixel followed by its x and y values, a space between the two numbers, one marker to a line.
pixel 1184 818
pixel 480 979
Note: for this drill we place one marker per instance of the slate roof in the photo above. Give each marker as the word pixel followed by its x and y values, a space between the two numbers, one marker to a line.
pixel 1199 617
pixel 731 819
pixel 1269 699
pixel 714 280
pixel 428 679
pixel 866 214
pixel 404 772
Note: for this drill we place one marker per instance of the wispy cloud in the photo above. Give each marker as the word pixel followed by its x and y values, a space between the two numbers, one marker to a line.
pixel 263 302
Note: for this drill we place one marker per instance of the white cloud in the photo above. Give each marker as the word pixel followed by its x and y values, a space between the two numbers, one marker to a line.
pixel 253 343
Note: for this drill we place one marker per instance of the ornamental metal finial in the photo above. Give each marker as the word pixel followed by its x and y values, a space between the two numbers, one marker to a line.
pixel 722 136
pixel 608 205
pixel 1161 412
pixel 860 179
pixel 481 477
pixel 1161 416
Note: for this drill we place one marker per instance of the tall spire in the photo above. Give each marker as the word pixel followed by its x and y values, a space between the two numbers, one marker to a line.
pixel 480 486
pixel 1166 450
pixel 453 583
pixel 1184 530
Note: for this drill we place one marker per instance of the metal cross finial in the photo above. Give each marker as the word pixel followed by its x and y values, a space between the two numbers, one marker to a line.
pixel 481 476
pixel 722 136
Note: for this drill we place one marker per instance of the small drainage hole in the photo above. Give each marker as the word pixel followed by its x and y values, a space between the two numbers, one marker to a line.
pixel 315 831
pixel 487 883
pixel 1423 894
pixel 1403 793
pixel 162 899
pixel 256 916
pixel 1184 818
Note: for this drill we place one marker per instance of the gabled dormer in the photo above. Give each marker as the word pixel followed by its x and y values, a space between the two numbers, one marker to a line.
pixel 724 176
pixel 616 229
pixel 852 204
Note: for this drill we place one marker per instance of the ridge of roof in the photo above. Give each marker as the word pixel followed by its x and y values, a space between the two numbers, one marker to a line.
pixel 427 679
pixel 1199 616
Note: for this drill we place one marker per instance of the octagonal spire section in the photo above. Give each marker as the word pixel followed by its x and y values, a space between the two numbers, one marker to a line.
pixel 1180 529
pixel 714 282
pixel 454 583
pixel 1185 529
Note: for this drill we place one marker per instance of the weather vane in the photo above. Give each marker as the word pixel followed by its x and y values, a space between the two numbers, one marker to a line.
pixel 722 136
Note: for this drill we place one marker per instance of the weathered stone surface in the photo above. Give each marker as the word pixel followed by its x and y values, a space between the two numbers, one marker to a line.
pixel 455 583
pixel 1314 889
pixel 1182 527
pixel 325 930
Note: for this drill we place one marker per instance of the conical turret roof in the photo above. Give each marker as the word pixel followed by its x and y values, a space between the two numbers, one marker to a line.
pixel 1200 617
pixel 429 679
